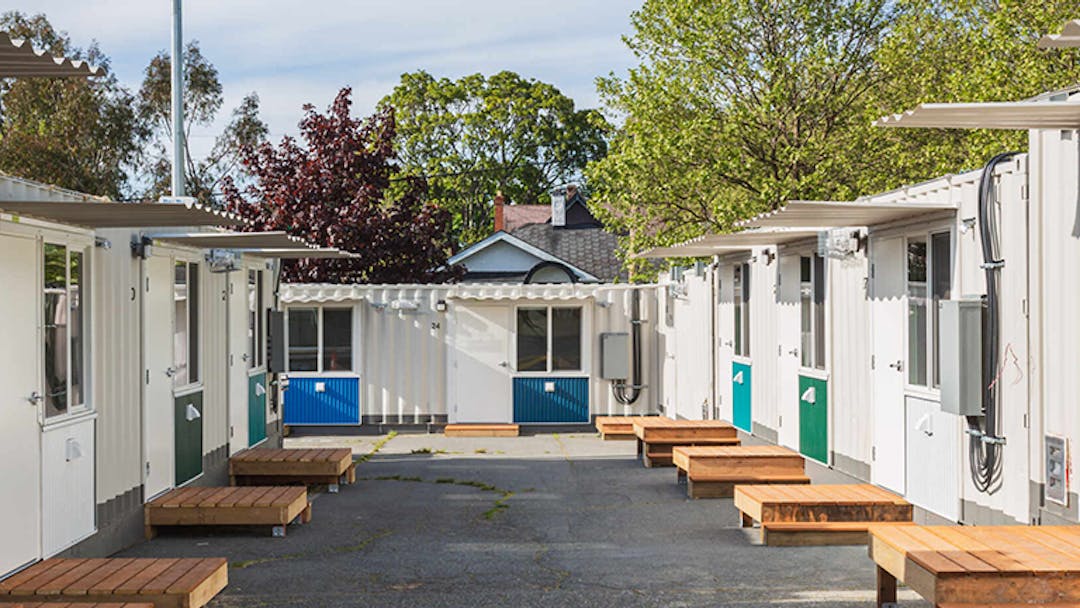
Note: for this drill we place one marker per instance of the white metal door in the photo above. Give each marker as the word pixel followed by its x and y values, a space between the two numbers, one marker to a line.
pixel 238 361
pixel 158 404
pixel 20 437
pixel 888 317
pixel 725 337
pixel 789 340
pixel 481 365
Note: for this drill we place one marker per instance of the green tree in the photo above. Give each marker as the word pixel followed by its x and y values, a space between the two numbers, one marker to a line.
pixel 203 99
pixel 736 106
pixel 963 51
pixel 77 133
pixel 478 135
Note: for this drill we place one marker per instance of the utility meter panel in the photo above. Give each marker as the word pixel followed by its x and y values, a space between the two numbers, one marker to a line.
pixel 961 356
pixel 614 356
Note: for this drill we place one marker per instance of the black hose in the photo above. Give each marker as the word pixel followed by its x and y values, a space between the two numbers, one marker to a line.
pixel 628 395
pixel 985 443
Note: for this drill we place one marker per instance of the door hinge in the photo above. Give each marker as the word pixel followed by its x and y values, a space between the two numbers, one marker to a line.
pixel 148 376
pixel 873 362
pixel 148 469
pixel 873 453
pixel 780 421
pixel 147 284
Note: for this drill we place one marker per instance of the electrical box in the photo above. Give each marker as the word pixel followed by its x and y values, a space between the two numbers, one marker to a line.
pixel 1057 473
pixel 961 356
pixel 615 356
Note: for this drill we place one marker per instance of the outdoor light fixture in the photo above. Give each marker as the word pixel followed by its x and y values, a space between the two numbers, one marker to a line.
pixel 141 247
pixel 966 225
pixel 103 243
pixel 440 306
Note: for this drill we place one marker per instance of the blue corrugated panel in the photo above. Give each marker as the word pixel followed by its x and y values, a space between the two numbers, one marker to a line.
pixel 568 404
pixel 338 404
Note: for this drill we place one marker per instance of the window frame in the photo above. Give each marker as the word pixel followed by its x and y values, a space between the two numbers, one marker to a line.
pixel 583 354
pixel 256 320
pixel 197 383
pixel 741 309
pixel 931 304
pixel 814 358
pixel 354 342
pixel 85 406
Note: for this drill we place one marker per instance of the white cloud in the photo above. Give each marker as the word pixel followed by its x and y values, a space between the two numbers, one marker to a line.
pixel 293 53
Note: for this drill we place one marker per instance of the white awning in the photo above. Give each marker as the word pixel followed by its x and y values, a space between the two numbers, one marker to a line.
pixel 716 244
pixel 105 214
pixel 1012 115
pixel 834 214
pixel 300 253
pixel 1068 38
pixel 235 240
pixel 19 59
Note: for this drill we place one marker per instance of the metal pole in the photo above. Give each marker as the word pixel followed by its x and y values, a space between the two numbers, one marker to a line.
pixel 178 101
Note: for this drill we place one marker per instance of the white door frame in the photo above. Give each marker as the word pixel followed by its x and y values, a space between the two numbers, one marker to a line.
pixel 888 311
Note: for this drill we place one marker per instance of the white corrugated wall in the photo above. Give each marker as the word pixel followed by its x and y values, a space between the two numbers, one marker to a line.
pixel 849 361
pixel 764 345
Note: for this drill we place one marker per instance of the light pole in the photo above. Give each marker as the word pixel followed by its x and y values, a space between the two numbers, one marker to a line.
pixel 178 101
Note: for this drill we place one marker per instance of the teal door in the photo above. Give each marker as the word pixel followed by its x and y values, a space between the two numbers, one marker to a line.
pixel 188 434
pixel 740 395
pixel 256 408
pixel 814 418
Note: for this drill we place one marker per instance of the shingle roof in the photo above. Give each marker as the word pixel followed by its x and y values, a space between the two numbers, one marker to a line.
pixel 590 249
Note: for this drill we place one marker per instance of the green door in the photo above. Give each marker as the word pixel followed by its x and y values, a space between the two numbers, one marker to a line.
pixel 256 408
pixel 814 418
pixel 740 393
pixel 189 428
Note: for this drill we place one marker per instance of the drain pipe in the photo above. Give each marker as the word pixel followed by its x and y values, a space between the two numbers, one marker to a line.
pixel 624 393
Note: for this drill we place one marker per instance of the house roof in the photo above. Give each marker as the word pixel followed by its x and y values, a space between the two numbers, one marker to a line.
pixel 1069 37
pixel 592 249
pixel 516 216
pixel 539 252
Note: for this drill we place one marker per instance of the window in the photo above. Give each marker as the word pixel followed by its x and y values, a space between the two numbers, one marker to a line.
pixel 548 339
pixel 64 274
pixel 320 339
pixel 303 339
pixel 186 323
pixel 929 274
pixel 256 351
pixel 812 308
pixel 742 310
pixel 337 340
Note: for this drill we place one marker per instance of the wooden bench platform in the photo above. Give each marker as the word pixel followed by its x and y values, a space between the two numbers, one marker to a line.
pixel 818 515
pixel 166 583
pixel 714 471
pixel 74 605
pixel 619 427
pixel 274 506
pixel 978 565
pixel 280 466
pixel 656 437
pixel 481 430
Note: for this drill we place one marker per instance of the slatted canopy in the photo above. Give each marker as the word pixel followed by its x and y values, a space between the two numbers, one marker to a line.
pixel 714 244
pixel 107 214
pixel 301 253
pixel 1068 38
pixel 235 240
pixel 1008 115
pixel 19 59
pixel 836 214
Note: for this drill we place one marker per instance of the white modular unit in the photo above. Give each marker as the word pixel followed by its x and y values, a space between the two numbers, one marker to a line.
pixel 693 359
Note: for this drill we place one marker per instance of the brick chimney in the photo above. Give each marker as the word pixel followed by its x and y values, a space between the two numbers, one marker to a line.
pixel 500 218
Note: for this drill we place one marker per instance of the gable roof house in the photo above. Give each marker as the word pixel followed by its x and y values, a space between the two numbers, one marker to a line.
pixel 558 243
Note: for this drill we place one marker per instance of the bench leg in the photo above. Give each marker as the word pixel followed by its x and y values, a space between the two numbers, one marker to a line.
pixel 278 531
pixel 747 521
pixel 640 449
pixel 305 515
pixel 886 588
pixel 149 532
pixel 680 476
pixel 350 474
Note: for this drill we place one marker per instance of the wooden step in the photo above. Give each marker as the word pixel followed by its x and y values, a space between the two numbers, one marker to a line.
pixel 166 583
pixel 809 533
pixel 720 486
pixel 481 430
pixel 280 466
pixel 274 506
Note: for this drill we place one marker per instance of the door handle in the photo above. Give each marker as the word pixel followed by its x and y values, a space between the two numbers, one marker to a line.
pixel 260 390
pixel 171 371
pixel 504 364
pixel 809 395
pixel 794 352
pixel 898 366
pixel 35 398
pixel 192 413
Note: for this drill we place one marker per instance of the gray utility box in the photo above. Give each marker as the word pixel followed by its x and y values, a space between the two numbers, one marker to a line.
pixel 961 356
pixel 615 356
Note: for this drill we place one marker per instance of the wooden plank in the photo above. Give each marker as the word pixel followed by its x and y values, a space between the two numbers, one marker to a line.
pixel 107 569
pixel 134 585
pixel 38 574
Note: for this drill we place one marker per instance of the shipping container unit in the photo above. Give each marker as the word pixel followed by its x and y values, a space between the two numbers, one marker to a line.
pixel 685 324
pixel 471 353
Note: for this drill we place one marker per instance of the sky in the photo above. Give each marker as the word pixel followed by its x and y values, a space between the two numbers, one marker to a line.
pixel 297 52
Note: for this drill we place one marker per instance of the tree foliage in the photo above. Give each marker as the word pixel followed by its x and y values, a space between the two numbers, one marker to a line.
pixel 203 99
pixel 475 136
pixel 77 133
pixel 739 105
pixel 340 187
